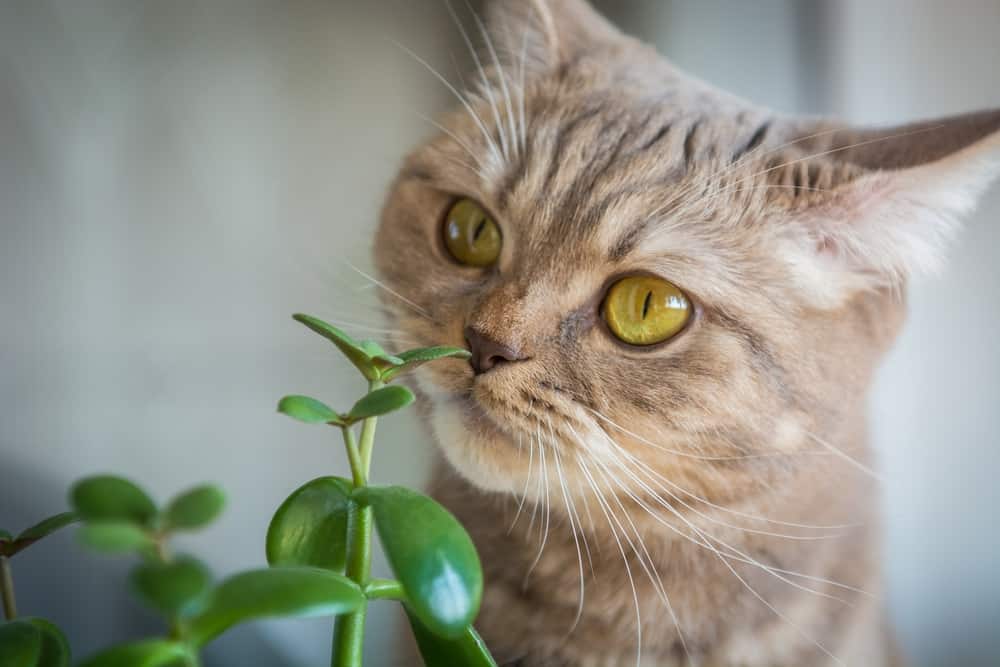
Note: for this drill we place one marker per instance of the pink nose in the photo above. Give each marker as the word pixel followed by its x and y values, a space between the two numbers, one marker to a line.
pixel 488 353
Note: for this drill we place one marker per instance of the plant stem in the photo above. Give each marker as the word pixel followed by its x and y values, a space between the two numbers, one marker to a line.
pixel 357 468
pixel 349 630
pixel 384 589
pixel 368 432
pixel 7 589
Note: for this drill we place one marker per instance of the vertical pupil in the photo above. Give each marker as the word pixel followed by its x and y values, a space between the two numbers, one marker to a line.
pixel 479 230
pixel 645 304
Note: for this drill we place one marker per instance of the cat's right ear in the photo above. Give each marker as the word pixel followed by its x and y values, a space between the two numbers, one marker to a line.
pixel 539 35
pixel 873 207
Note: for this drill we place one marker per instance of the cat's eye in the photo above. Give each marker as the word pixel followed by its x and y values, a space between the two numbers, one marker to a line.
pixel 471 235
pixel 645 310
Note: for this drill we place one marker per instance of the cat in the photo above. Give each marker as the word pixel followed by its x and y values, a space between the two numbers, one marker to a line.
pixel 675 301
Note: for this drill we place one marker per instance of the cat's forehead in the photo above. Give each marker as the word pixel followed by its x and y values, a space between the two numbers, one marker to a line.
pixel 597 165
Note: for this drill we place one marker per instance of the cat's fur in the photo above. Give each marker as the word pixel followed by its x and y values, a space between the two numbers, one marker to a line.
pixel 724 476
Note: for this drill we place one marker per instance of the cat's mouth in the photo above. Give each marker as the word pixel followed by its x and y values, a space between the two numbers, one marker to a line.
pixel 541 410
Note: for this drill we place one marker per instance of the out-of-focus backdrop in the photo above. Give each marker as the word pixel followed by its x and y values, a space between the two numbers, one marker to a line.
pixel 177 177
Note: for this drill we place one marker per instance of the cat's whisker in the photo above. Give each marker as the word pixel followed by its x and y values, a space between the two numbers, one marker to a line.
pixel 521 103
pixel 645 559
pixel 662 479
pixel 836 451
pixel 570 512
pixel 548 515
pixel 500 73
pixel 527 481
pixel 484 84
pixel 583 496
pixel 419 309
pixel 706 537
pixel 460 141
pixel 572 503
pixel 724 560
pixel 601 503
pixel 461 98
pixel 677 452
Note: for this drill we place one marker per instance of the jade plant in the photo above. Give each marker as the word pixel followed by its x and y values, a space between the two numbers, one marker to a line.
pixel 318 548
pixel 328 522
pixel 28 640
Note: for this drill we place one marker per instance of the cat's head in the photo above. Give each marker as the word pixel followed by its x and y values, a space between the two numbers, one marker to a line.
pixel 648 270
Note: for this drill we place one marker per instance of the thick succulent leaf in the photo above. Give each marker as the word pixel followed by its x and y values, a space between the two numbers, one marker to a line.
pixel 55 648
pixel 379 402
pixel 5 536
pixel 413 358
pixel 432 556
pixel 310 527
pixel 195 508
pixel 371 348
pixel 114 536
pixel 147 653
pixel 467 650
pixel 108 497
pixel 176 589
pixel 20 644
pixel 308 410
pixel 351 348
pixel 276 592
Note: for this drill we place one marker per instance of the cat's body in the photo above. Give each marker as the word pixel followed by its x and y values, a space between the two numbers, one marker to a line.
pixel 707 500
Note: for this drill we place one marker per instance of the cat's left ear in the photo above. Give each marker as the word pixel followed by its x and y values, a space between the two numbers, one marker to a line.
pixel 877 206
pixel 539 35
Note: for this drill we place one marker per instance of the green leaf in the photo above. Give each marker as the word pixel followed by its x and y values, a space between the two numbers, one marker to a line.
pixel 413 358
pixel 147 653
pixel 379 402
pixel 195 508
pixel 176 589
pixel 109 497
pixel 371 348
pixel 48 526
pixel 310 527
pixel 275 592
pixel 432 556
pixel 308 410
pixel 468 650
pixel 13 545
pixel 55 649
pixel 351 348
pixel 114 536
pixel 20 644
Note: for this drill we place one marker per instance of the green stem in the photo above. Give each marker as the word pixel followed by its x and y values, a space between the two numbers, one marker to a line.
pixel 368 432
pixel 349 630
pixel 357 468
pixel 384 589
pixel 7 589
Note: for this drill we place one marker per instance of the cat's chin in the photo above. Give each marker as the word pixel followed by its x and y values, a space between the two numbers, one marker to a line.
pixel 476 446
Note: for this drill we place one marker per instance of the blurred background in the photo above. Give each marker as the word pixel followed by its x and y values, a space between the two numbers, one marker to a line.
pixel 176 178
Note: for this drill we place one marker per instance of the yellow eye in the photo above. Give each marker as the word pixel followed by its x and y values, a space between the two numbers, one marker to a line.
pixel 470 234
pixel 643 310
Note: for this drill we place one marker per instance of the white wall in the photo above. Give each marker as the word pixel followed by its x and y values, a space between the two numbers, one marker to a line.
pixel 176 178
pixel 935 409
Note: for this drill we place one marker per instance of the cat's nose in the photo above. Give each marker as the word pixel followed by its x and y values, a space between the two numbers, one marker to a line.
pixel 487 353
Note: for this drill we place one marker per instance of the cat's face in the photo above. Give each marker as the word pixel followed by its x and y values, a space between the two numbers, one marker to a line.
pixel 597 161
